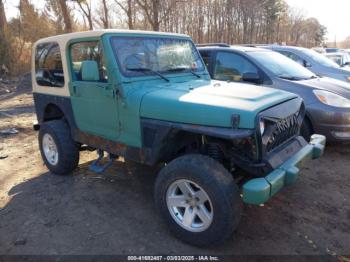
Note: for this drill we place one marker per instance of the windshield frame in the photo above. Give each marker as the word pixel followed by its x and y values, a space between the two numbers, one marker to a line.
pixel 282 65
pixel 131 74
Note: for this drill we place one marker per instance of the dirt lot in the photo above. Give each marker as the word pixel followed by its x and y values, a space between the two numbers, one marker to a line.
pixel 113 213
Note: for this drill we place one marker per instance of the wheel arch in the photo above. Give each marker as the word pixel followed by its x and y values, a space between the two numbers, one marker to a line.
pixel 49 107
pixel 178 142
pixel 167 140
pixel 52 112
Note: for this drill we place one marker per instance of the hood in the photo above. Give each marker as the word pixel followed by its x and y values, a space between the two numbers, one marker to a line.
pixel 210 103
pixel 345 69
pixel 339 70
pixel 329 84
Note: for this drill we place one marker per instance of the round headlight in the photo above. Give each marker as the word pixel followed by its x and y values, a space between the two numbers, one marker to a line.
pixel 262 127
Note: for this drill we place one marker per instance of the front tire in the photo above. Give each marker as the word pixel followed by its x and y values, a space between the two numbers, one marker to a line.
pixel 58 150
pixel 198 199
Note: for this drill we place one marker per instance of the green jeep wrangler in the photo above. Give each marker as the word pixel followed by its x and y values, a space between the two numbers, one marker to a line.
pixel 147 97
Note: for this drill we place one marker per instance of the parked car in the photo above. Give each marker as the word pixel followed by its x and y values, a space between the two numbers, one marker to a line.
pixel 315 62
pixel 320 50
pixel 342 59
pixel 327 100
pixel 147 97
pixel 333 50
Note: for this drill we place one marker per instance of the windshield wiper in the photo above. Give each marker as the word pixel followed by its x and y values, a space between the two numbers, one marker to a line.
pixel 144 70
pixel 180 69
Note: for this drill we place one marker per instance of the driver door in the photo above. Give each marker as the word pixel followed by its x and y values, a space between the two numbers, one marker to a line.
pixel 93 98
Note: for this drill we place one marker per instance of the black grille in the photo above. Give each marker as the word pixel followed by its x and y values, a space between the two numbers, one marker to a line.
pixel 281 130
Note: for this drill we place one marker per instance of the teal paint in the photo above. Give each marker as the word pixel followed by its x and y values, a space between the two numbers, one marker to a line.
pixel 95 108
pixel 89 71
pixel 185 99
pixel 211 103
pixel 255 190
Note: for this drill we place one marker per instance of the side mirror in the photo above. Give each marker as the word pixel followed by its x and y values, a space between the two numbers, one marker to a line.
pixel 251 77
pixel 307 64
pixel 89 71
pixel 134 62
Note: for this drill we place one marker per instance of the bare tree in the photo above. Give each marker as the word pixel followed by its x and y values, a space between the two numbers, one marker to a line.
pixel 4 41
pixel 231 21
pixel 66 16
pixel 3 21
pixel 155 11
pixel 86 10
pixel 60 14
pixel 105 16
pixel 128 7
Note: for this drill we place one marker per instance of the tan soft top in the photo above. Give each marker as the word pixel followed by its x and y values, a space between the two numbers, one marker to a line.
pixel 62 41
pixel 97 33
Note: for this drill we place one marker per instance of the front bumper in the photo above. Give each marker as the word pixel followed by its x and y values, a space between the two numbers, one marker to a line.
pixel 259 190
pixel 332 122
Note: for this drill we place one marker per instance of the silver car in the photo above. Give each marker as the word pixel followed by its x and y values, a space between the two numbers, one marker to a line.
pixel 333 50
pixel 342 59
pixel 327 100
pixel 315 62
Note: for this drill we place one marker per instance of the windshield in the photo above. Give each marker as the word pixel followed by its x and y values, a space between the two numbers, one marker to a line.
pixel 281 65
pixel 336 58
pixel 137 55
pixel 340 59
pixel 346 58
pixel 318 58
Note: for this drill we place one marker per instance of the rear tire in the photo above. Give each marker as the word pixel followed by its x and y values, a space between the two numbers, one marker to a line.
pixel 216 191
pixel 58 150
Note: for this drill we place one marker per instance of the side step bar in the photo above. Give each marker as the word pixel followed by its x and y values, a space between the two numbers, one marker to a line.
pixel 97 167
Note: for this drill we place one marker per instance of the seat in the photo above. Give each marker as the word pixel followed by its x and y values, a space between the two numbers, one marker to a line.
pixel 89 71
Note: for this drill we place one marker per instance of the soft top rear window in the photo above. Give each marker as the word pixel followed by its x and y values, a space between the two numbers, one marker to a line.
pixel 48 65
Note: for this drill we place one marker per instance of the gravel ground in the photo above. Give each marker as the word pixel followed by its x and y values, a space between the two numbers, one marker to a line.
pixel 113 213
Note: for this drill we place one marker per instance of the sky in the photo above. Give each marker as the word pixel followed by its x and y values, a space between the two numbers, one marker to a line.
pixel 333 14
